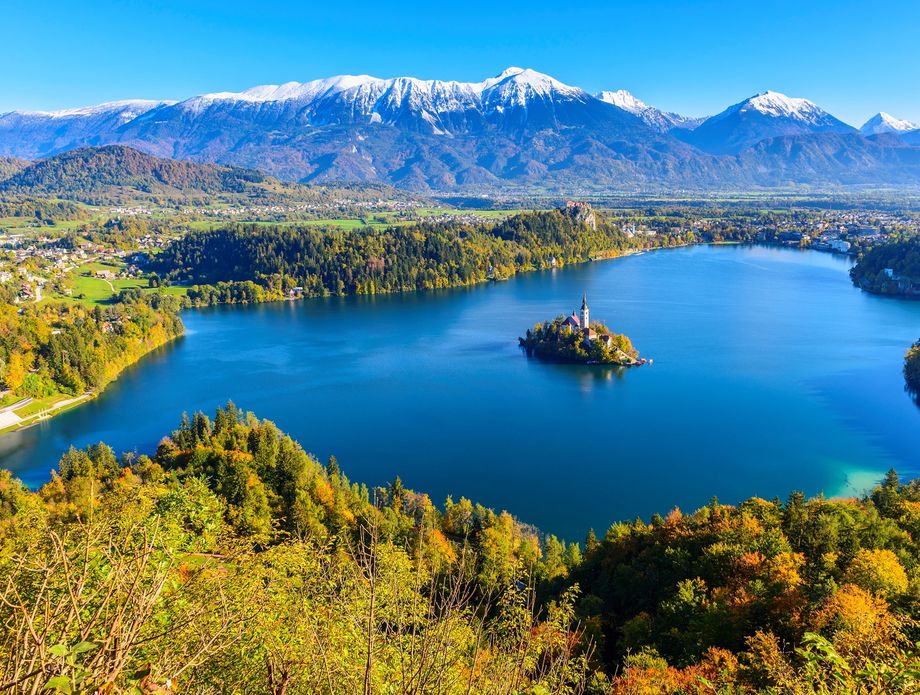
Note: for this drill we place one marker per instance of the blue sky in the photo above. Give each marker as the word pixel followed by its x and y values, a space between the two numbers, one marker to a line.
pixel 692 57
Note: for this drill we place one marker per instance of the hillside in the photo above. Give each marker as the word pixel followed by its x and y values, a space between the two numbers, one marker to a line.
pixel 10 166
pixel 381 260
pixel 831 159
pixel 890 268
pixel 116 174
pixel 89 172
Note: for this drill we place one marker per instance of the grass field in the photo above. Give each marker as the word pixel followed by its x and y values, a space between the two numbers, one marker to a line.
pixel 339 223
pixel 40 404
pixel 382 219
pixel 458 212
pixel 91 290
pixel 18 225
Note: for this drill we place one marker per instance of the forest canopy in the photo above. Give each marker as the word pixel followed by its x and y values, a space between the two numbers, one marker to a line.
pixel 370 261
pixel 912 369
pixel 231 560
pixel 56 347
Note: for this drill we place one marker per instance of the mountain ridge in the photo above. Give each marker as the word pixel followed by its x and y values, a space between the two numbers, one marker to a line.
pixel 662 121
pixel 762 117
pixel 886 123
pixel 520 128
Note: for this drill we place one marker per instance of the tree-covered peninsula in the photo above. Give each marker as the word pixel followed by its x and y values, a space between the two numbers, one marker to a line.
pixel 279 261
pixel 55 353
pixel 912 370
pixel 576 338
pixel 230 560
pixel 892 268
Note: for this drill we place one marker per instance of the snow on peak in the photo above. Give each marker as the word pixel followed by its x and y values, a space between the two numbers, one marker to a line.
pixel 773 103
pixel 886 123
pixel 514 85
pixel 662 121
pixel 532 78
pixel 291 90
pixel 624 100
pixel 126 109
pixel 510 71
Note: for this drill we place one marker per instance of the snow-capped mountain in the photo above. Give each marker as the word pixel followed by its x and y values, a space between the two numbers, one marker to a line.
pixel 760 117
pixel 661 121
pixel 418 133
pixel 123 110
pixel 40 133
pixel 520 128
pixel 886 123
pixel 515 98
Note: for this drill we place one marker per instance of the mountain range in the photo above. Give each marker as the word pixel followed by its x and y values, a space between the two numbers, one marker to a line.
pixel 519 129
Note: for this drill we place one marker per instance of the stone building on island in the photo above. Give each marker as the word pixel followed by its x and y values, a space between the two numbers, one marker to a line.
pixel 580 320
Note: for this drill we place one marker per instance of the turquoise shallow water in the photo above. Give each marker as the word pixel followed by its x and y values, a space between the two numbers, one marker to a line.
pixel 771 373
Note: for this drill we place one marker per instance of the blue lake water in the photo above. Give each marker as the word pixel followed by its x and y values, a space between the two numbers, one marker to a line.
pixel 771 373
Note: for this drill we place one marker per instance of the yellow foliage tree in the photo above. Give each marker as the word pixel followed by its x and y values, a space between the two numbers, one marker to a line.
pixel 878 571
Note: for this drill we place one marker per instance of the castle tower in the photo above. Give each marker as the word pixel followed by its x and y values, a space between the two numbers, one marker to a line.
pixel 584 320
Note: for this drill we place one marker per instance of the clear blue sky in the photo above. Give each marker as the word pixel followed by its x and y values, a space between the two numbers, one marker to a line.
pixel 852 58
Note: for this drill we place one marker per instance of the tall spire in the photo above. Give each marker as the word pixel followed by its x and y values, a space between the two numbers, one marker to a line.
pixel 585 321
pixel 584 300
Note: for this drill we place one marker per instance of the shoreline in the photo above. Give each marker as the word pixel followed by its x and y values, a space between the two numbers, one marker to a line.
pixel 61 406
pixel 70 402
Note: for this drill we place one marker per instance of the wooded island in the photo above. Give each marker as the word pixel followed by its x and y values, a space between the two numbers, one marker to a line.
pixel 576 338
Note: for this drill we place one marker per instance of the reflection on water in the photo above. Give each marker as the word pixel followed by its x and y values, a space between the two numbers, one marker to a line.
pixel 588 376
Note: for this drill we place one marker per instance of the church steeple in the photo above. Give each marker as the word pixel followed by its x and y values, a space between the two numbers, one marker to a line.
pixel 584 318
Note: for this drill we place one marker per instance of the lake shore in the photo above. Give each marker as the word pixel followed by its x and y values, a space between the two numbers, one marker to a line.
pixel 40 410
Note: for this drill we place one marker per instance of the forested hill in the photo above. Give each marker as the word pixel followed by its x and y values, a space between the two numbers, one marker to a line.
pixel 56 348
pixel 229 560
pixel 421 256
pixel 116 174
pixel 94 170
pixel 11 165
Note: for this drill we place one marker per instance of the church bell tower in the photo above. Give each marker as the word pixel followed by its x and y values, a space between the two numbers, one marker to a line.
pixel 585 322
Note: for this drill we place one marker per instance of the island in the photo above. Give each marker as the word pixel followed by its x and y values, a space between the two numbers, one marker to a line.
pixel 576 338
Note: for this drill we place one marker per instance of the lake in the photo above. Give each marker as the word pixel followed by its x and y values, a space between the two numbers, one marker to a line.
pixel 771 373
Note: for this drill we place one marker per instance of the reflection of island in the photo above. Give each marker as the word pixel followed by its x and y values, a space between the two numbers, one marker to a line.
pixel 575 339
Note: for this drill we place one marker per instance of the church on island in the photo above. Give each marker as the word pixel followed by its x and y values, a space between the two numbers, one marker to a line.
pixel 575 339
pixel 581 321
